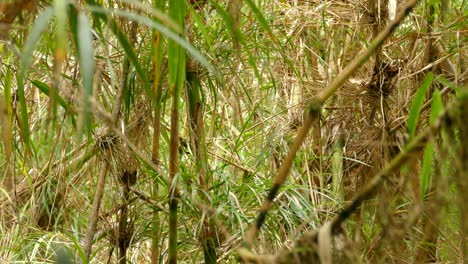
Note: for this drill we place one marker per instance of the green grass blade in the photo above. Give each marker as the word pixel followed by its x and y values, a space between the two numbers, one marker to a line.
pixel 161 28
pixel 45 89
pixel 237 36
pixel 87 66
pixel 101 13
pixel 36 31
pixel 457 89
pixel 437 106
pixel 201 25
pixel 262 20
pixel 265 25
pixel 418 101
pixel 73 24
pixel 425 180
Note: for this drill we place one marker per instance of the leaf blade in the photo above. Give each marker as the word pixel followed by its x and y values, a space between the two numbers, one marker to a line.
pixel 418 101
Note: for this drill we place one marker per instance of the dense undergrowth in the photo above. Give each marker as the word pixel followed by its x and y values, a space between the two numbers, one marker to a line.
pixel 154 131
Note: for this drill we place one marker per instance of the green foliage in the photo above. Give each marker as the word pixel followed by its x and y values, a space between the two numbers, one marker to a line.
pixel 260 63
pixel 36 30
pixel 437 106
pixel 87 67
pixel 418 100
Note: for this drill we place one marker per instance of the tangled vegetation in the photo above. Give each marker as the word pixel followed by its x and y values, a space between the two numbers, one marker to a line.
pixel 249 131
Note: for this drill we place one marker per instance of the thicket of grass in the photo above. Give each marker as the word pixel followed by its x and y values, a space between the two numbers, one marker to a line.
pixel 154 131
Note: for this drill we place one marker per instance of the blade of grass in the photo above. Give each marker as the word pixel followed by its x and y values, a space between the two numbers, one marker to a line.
pixel 418 101
pixel 237 36
pixel 87 65
pixel 27 54
pixel 161 28
pixel 265 25
pixel 455 88
pixel 45 89
pixel 437 108
pixel 425 180
pixel 100 13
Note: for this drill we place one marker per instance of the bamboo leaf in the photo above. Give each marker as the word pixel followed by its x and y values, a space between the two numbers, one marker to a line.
pixel 265 25
pixel 161 28
pixel 237 36
pixel 437 106
pixel 87 65
pixel 73 24
pixel 101 13
pixel 45 89
pixel 201 25
pixel 425 180
pixel 418 101
pixel 36 31
pixel 457 89
pixel 262 20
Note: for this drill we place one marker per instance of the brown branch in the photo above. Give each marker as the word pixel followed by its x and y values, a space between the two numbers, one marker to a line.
pixel 148 199
pixel 92 223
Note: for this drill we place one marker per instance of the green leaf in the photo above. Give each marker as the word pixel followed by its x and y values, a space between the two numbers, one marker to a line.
pixel 237 36
pixel 265 25
pixel 73 24
pixel 201 25
pixel 437 106
pixel 262 20
pixel 457 89
pixel 101 14
pixel 418 101
pixel 161 28
pixel 425 180
pixel 45 89
pixel 87 66
pixel 36 31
